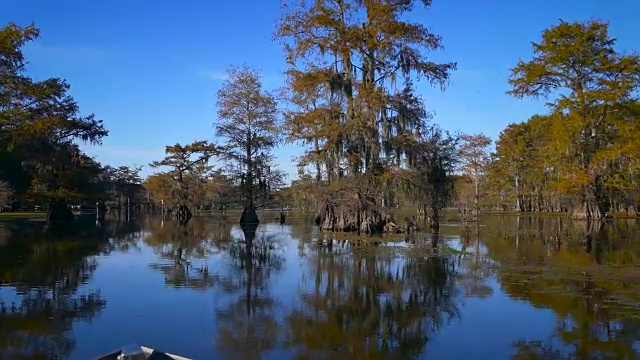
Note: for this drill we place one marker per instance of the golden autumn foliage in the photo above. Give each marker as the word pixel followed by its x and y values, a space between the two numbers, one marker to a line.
pixel 346 59
pixel 249 124
pixel 578 158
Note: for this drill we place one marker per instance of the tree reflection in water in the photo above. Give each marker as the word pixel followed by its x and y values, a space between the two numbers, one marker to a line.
pixel 124 235
pixel 475 268
pixel 365 305
pixel 182 246
pixel 41 274
pixel 247 326
pixel 585 273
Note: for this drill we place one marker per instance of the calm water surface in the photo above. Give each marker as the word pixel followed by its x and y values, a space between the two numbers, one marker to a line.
pixel 512 287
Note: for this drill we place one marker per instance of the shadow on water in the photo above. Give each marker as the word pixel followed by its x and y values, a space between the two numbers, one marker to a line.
pixel 42 294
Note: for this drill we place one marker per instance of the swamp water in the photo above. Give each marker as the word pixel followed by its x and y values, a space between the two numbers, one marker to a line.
pixel 511 287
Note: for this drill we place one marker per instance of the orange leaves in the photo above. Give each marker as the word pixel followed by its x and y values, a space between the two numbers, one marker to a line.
pixel 342 79
pixel 160 185
pixel 579 59
pixel 589 142
pixel 249 124
pixel 572 181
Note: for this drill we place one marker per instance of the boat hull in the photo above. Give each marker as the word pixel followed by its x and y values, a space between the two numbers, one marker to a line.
pixel 144 353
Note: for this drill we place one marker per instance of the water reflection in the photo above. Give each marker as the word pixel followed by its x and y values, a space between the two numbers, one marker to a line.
pixel 581 272
pixel 363 304
pixel 42 293
pixel 247 324
pixel 181 246
pixel 475 268
pixel 547 287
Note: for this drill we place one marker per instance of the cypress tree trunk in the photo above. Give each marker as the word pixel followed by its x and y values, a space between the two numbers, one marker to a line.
pixel 183 214
pixel 593 204
pixel 249 215
pixel 349 220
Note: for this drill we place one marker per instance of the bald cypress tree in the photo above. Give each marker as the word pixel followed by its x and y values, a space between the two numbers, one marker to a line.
pixel 589 86
pixel 248 121
pixel 354 54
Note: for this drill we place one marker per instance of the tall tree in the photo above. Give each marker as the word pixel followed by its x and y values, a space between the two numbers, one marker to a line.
pixel 474 159
pixel 353 53
pixel 576 66
pixel 39 125
pixel 182 159
pixel 429 180
pixel 248 121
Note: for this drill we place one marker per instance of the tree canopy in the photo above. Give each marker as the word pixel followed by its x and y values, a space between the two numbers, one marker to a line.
pixel 582 156
pixel 41 127
pixel 345 59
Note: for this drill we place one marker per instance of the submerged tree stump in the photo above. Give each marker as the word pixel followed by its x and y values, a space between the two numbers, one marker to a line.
pixel 59 213
pixel 249 216
pixel 183 214
pixel 410 230
pixel 101 210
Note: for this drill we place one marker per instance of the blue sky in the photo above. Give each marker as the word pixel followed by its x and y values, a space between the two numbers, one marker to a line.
pixel 151 69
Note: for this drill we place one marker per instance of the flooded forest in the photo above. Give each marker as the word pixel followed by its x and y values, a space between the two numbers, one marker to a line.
pixel 396 239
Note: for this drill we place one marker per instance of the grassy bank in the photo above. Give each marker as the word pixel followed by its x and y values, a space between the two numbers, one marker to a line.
pixel 22 215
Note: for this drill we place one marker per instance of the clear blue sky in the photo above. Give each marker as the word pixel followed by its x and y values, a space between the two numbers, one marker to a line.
pixel 151 69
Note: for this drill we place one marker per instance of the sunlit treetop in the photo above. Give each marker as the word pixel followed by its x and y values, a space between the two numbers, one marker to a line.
pixel 339 35
pixel 577 63
pixel 184 157
pixel 12 39
pixel 37 110
pixel 345 59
